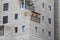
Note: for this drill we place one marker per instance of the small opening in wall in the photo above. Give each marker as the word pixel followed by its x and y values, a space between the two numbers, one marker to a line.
pixel 1 30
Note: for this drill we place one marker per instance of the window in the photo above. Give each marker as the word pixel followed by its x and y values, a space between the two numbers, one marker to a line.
pixel 36 29
pixel 43 5
pixel 43 18
pixel 1 30
pixel 49 33
pixel 32 8
pixel 42 30
pixel 49 8
pixel 22 5
pixel 5 19
pixel 16 16
pixel 49 21
pixel 23 28
pixel 5 7
pixel 16 29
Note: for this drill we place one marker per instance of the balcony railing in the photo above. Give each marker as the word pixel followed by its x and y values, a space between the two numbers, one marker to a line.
pixel 35 19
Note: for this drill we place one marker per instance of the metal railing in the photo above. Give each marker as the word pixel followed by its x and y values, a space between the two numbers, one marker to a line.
pixel 35 19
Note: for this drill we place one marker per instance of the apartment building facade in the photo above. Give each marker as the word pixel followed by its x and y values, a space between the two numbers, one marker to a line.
pixel 26 19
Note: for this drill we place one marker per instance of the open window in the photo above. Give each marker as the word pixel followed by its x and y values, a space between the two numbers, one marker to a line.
pixel 1 30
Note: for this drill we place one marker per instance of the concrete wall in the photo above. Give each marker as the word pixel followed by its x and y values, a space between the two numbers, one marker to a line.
pixel 30 33
pixel 47 14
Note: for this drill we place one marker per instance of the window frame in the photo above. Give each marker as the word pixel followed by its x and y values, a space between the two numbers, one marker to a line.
pixel 5 19
pixel 16 16
pixel 23 28
pixel 49 19
pixel 43 5
pixel 5 6
pixel 36 29
pixel 43 18
pixel 49 33
pixel 49 8
pixel 2 30
pixel 16 29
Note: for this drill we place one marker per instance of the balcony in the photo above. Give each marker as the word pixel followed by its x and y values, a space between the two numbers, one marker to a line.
pixel 35 17
pixel 27 4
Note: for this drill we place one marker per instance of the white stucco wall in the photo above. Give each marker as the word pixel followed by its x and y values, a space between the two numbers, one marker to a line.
pixel 29 34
